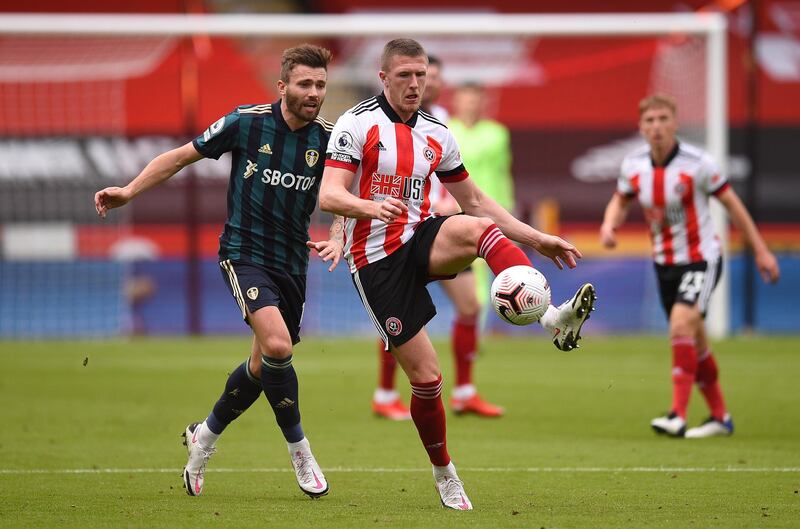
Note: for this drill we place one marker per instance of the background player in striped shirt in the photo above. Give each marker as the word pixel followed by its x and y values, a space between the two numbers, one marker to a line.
pixel 275 177
pixel 461 290
pixel 380 157
pixel 673 182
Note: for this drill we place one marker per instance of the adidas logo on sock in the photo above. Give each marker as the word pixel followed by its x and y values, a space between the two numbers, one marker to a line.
pixel 285 403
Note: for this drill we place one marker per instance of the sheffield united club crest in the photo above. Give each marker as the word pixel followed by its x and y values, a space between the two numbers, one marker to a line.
pixel 394 326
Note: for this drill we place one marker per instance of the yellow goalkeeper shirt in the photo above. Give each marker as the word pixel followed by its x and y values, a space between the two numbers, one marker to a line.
pixel 486 151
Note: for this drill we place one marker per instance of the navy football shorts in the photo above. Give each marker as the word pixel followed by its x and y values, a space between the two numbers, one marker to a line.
pixel 255 286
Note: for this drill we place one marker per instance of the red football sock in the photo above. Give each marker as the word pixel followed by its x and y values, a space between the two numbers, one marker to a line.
pixel 427 412
pixel 499 252
pixel 388 366
pixel 465 340
pixel 684 364
pixel 708 382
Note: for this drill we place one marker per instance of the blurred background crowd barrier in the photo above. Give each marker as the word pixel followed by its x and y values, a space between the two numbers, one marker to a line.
pixel 80 112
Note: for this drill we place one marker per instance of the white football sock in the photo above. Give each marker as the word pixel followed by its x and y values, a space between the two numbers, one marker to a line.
pixel 302 445
pixel 548 319
pixel 448 471
pixel 206 437
pixel 385 396
pixel 464 391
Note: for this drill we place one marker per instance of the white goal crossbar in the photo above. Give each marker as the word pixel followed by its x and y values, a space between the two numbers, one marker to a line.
pixel 711 26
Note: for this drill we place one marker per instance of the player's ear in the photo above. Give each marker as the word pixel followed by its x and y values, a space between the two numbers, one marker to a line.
pixel 384 78
pixel 281 87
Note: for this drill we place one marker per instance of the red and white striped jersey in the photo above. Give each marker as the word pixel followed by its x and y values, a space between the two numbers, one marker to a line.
pixel 675 201
pixel 440 197
pixel 390 158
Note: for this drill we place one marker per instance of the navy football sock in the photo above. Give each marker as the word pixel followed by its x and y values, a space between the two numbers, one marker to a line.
pixel 279 381
pixel 241 391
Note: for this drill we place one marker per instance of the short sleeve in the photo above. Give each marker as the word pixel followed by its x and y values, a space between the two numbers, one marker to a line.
pixel 220 137
pixel 711 178
pixel 625 184
pixel 346 145
pixel 451 168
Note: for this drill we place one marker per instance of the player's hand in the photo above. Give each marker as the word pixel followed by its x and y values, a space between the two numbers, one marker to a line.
pixel 390 209
pixel 110 198
pixel 558 250
pixel 768 266
pixel 608 236
pixel 328 250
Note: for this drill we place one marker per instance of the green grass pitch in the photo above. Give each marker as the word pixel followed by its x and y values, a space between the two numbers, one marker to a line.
pixel 89 437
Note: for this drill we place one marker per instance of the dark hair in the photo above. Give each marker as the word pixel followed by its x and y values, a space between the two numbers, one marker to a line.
pixel 309 55
pixel 404 47
pixel 434 60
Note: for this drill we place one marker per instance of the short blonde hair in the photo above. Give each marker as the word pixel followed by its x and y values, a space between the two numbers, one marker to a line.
pixel 658 101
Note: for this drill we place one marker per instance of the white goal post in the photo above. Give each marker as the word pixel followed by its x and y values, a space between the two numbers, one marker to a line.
pixel 711 27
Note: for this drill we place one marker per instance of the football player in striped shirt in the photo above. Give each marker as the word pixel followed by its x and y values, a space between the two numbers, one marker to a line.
pixel 673 182
pixel 275 177
pixel 380 157
pixel 462 291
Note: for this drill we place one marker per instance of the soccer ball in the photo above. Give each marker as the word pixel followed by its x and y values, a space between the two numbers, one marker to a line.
pixel 520 295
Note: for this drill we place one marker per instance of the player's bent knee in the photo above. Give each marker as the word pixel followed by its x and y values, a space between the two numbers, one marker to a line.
pixel 481 224
pixel 467 230
pixel 276 347
pixel 423 376
pixel 680 330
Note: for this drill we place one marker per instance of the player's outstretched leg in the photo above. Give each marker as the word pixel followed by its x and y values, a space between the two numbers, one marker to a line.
pixel 241 390
pixel 565 322
pixel 386 400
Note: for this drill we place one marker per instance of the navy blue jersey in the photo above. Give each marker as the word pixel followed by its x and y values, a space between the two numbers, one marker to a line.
pixel 274 184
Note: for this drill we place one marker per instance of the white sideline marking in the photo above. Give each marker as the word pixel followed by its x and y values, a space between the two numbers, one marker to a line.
pixel 356 470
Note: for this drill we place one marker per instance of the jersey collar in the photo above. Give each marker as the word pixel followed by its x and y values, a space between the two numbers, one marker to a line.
pixel 673 153
pixel 392 115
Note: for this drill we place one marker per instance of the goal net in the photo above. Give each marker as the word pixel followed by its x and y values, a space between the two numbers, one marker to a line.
pixel 86 101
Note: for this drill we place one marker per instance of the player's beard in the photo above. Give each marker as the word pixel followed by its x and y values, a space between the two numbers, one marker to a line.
pixel 295 106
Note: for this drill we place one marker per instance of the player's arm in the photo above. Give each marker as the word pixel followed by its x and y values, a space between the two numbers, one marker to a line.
pixel 765 260
pixel 334 197
pixel 332 248
pixel 476 203
pixel 157 171
pixel 614 217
